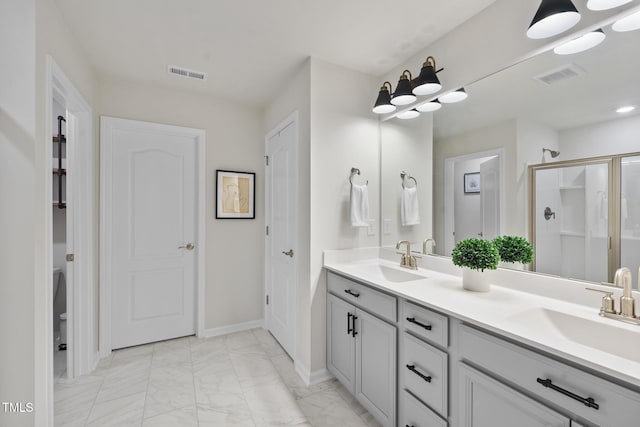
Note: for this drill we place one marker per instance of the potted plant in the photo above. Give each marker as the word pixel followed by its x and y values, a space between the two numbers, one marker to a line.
pixel 475 256
pixel 514 249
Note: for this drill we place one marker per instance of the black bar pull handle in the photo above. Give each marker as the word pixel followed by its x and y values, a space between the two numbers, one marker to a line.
pixel 407 425
pixel 586 401
pixel 413 369
pixel 349 315
pixel 353 328
pixel 352 293
pixel 415 322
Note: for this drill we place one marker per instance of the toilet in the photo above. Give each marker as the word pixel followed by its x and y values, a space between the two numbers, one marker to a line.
pixel 57 274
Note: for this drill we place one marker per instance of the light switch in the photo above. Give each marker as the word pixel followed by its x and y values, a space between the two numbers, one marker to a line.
pixel 386 225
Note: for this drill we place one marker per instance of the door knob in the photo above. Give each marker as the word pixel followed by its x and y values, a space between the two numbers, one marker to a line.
pixel 288 253
pixel 189 247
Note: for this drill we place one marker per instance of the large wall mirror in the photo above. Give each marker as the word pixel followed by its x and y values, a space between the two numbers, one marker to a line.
pixel 549 109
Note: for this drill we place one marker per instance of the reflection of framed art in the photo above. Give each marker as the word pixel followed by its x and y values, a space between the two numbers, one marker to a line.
pixel 235 194
pixel 472 182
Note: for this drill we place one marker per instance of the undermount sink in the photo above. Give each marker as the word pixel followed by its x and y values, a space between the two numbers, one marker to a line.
pixel 597 335
pixel 394 275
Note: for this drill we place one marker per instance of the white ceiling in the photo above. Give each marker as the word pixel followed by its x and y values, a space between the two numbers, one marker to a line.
pixel 250 47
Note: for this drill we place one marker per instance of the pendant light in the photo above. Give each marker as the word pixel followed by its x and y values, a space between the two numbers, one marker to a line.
pixel 553 17
pixel 429 106
pixel 409 114
pixel 427 82
pixel 628 23
pixel 403 94
pixel 605 4
pixel 383 104
pixel 453 97
pixel 582 43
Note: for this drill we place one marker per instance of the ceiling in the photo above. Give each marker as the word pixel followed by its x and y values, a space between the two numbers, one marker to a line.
pixel 250 47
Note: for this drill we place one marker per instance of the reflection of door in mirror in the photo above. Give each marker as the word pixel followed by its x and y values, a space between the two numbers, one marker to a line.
pixel 571 219
pixel 475 214
pixel 630 213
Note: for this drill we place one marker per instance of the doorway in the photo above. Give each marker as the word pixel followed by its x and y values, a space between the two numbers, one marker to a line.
pixel 473 197
pixel 281 234
pixel 152 228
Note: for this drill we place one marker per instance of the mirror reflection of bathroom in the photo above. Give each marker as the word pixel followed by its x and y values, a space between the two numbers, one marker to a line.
pixel 630 213
pixel 474 196
pixel 59 234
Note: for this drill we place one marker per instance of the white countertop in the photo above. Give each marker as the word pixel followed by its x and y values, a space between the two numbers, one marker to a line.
pixel 516 312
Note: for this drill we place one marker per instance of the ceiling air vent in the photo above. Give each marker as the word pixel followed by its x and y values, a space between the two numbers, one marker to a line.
pixel 185 72
pixel 557 75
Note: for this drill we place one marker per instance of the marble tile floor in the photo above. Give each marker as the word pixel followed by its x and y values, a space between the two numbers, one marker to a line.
pixel 240 379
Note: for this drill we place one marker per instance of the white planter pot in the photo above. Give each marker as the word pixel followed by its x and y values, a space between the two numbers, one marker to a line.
pixel 475 280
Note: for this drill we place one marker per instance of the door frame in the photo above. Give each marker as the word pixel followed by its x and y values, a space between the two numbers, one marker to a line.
pixel 449 188
pixel 81 357
pixel 107 124
pixel 292 119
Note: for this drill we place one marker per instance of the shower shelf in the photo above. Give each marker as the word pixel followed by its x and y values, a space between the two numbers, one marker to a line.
pixel 567 233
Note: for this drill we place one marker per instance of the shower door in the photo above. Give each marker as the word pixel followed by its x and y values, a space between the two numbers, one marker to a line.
pixel 570 227
pixel 630 214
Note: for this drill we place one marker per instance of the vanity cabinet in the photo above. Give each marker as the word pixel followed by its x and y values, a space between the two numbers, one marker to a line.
pixel 361 347
pixel 555 384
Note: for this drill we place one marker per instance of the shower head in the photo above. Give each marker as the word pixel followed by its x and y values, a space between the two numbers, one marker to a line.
pixel 553 153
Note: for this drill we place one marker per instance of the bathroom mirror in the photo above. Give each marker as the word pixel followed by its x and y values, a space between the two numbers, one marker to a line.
pixel 564 104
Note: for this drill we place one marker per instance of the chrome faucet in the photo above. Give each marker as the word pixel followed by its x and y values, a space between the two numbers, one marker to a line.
pixel 424 245
pixel 407 260
pixel 622 279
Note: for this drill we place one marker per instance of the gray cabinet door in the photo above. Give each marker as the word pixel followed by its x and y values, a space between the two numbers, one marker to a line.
pixel 486 402
pixel 341 344
pixel 376 367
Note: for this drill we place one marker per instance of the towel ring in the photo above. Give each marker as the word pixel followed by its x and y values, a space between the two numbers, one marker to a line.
pixel 405 177
pixel 355 171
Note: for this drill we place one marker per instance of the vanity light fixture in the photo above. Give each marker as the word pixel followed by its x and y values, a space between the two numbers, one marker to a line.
pixel 383 104
pixel 628 23
pixel 553 17
pixel 433 105
pixel 605 4
pixel 625 109
pixel 582 43
pixel 403 94
pixel 409 114
pixel 427 82
pixel 455 96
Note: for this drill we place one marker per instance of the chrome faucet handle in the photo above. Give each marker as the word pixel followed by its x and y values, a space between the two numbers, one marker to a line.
pixel 608 303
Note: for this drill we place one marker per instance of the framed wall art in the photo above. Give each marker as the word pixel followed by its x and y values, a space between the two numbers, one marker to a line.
pixel 472 182
pixel 235 195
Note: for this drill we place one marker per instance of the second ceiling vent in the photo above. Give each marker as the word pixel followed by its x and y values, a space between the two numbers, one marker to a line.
pixel 185 72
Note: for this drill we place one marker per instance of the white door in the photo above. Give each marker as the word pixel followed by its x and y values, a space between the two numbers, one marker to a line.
pixel 281 205
pixel 153 216
pixel 490 197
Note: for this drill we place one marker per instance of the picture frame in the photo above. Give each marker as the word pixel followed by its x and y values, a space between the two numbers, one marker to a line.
pixel 235 194
pixel 472 183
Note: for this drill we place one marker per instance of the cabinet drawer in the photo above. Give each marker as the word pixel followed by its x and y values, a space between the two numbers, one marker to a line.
pixel 363 296
pixel 425 323
pixel 414 414
pixel 424 371
pixel 526 369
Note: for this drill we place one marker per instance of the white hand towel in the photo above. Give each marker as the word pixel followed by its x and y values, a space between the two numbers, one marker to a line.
pixel 409 213
pixel 359 207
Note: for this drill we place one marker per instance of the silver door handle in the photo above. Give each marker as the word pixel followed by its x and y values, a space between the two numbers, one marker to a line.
pixel 189 247
pixel 288 253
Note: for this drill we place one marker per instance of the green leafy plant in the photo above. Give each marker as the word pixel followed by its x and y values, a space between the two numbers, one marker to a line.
pixel 477 254
pixel 514 249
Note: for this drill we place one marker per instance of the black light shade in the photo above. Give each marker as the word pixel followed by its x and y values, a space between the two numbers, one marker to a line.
pixel 427 82
pixel 553 17
pixel 403 94
pixel 383 103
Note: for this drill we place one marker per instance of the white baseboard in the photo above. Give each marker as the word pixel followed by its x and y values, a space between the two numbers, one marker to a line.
pixel 228 329
pixel 311 378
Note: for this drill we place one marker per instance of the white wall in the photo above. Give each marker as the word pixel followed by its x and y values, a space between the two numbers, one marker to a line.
pixel 601 139
pixel 344 133
pixel 17 162
pixel 234 248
